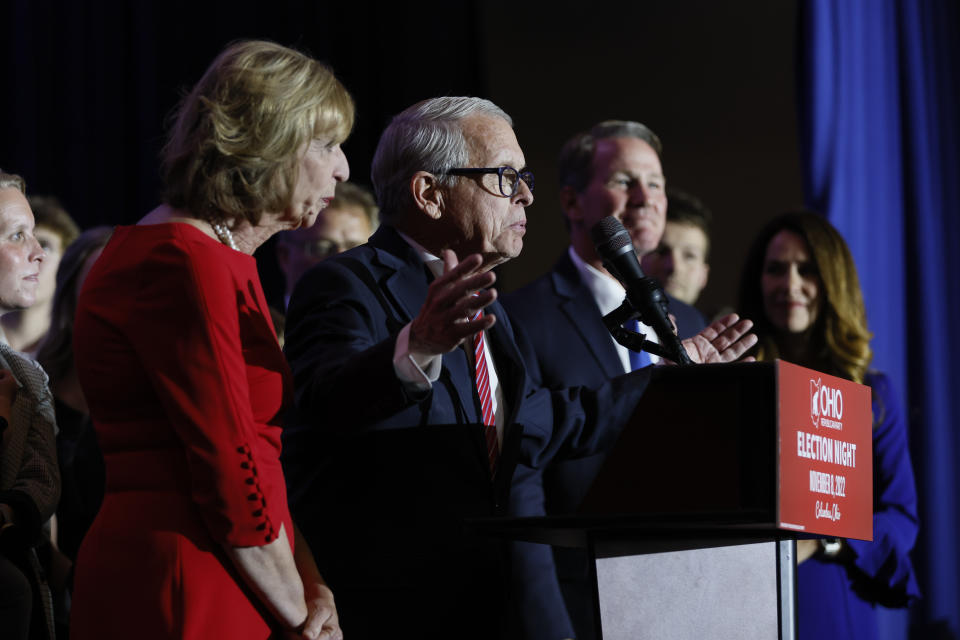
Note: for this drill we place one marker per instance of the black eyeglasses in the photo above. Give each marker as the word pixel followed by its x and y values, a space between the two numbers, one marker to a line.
pixel 509 177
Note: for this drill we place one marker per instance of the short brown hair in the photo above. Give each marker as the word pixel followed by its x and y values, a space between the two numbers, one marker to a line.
pixel 688 209
pixel 575 164
pixel 232 149
pixel 49 213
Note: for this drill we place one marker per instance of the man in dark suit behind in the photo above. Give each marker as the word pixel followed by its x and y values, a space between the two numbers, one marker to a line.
pixel 399 433
pixel 612 169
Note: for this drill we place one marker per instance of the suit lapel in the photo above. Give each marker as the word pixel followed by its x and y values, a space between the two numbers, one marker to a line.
pixel 403 277
pixel 581 311
pixel 405 281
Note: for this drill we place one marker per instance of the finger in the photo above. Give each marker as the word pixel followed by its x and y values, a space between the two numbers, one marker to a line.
pixel 315 623
pixel 673 322
pixel 717 327
pixel 330 633
pixel 448 293
pixel 742 346
pixel 738 330
pixel 468 305
pixel 727 320
pixel 721 325
pixel 728 336
pixel 738 348
pixel 453 270
pixel 449 260
pixel 466 330
pixel 487 321
pixel 476 282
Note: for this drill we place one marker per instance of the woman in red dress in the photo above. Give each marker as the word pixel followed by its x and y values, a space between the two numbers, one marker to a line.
pixel 185 382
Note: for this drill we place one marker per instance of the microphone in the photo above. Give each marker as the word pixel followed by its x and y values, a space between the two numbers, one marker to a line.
pixel 614 246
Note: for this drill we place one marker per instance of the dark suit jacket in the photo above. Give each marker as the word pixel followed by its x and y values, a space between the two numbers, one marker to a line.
pixel 573 348
pixel 558 309
pixel 382 479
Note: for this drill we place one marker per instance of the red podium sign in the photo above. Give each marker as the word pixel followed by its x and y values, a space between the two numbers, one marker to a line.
pixel 826 454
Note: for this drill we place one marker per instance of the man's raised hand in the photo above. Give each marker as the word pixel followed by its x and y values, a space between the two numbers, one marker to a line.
pixel 444 320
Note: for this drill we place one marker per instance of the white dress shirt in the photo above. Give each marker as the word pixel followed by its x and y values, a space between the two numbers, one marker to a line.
pixel 608 293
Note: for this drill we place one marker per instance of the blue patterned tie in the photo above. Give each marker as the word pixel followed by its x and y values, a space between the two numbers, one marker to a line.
pixel 638 359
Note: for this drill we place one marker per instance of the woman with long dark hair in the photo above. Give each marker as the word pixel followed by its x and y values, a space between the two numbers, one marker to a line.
pixel 800 287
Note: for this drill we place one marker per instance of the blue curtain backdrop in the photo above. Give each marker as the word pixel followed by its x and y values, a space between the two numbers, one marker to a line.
pixel 879 114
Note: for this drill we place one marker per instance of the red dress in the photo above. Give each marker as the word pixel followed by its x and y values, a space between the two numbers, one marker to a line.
pixel 186 385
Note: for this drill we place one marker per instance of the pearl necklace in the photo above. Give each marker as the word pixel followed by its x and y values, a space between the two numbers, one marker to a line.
pixel 224 234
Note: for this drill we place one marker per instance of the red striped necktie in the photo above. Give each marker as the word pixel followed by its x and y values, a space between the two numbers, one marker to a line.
pixel 486 401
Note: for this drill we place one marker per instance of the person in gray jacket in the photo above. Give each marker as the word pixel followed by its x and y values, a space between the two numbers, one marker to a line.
pixel 29 478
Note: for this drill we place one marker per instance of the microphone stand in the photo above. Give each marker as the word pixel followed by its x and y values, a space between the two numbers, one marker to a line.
pixel 634 341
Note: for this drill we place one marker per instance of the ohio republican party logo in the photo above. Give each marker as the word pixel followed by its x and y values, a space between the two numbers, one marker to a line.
pixel 826 406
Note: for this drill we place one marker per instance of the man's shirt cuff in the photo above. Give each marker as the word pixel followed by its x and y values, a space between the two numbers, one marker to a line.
pixel 417 371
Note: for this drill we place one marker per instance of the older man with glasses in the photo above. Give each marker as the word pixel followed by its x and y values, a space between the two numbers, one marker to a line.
pixel 418 406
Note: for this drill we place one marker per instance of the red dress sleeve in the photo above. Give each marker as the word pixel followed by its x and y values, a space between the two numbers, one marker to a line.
pixel 185 327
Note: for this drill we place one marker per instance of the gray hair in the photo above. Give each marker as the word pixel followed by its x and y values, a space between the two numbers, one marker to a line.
pixel 12 181
pixel 425 137
pixel 576 157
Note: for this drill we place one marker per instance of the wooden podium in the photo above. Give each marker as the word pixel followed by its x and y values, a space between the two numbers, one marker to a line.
pixel 692 519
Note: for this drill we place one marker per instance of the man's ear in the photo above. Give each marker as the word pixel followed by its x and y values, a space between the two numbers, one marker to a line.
pixel 570 203
pixel 427 194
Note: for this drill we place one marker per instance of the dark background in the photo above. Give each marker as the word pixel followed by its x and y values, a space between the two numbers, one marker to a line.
pixel 88 87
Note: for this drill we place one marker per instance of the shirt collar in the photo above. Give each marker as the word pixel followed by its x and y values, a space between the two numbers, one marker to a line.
pixel 607 291
pixel 433 263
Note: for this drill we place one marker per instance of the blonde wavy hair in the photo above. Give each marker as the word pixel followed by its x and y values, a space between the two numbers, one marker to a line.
pixel 236 137
pixel 838 343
